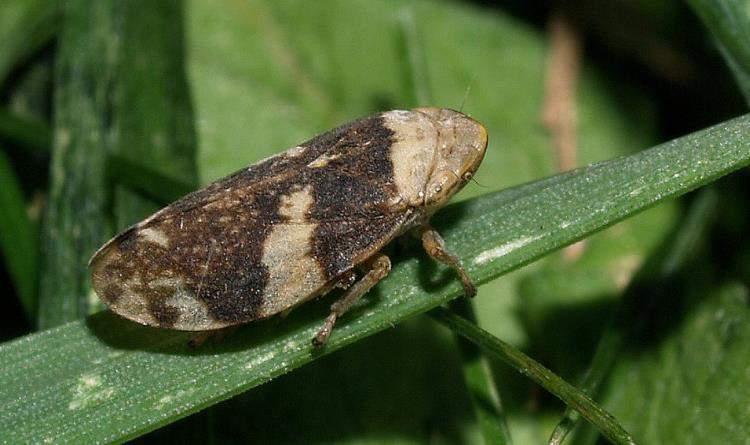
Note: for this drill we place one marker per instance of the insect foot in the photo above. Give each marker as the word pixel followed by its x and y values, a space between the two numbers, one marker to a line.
pixel 434 245
pixel 379 269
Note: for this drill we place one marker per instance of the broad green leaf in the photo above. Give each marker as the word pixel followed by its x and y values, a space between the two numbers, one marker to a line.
pixel 683 247
pixel 266 75
pixel 690 375
pixel 106 379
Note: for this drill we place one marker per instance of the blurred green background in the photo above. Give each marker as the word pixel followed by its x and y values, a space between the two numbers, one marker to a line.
pixel 95 95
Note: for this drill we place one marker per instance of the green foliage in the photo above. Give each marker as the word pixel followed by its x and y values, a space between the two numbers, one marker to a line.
pixel 729 22
pixel 104 363
pixel 18 242
pixel 151 98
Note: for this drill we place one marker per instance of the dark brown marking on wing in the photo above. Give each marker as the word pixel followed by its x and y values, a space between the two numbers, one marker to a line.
pixel 111 291
pixel 214 250
pixel 340 246
pixel 164 314
pixel 358 182
pixel 127 238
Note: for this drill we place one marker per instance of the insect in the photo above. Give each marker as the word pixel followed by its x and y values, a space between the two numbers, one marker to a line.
pixel 294 226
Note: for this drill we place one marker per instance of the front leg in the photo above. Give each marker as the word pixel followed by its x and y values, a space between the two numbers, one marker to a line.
pixel 379 266
pixel 435 247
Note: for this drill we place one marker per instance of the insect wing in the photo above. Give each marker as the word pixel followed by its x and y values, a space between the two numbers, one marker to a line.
pixel 261 240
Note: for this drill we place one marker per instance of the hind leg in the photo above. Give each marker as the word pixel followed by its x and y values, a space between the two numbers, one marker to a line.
pixel 379 267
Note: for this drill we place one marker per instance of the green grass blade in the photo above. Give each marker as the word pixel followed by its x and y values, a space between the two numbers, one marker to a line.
pixel 729 22
pixel 73 224
pixel 566 392
pixel 18 238
pixel 480 381
pixel 106 379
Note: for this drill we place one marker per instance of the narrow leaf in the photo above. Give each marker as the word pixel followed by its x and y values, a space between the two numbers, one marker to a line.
pixel 566 392
pixel 479 380
pixel 26 132
pixel 729 22
pixel 25 26
pixel 18 237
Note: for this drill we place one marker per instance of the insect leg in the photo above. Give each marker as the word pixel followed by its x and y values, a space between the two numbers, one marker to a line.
pixel 217 335
pixel 379 266
pixel 435 247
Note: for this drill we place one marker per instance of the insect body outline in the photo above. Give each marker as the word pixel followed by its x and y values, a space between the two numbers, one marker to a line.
pixel 294 226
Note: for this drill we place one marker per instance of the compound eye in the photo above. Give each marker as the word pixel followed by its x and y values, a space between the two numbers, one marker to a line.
pixel 467 176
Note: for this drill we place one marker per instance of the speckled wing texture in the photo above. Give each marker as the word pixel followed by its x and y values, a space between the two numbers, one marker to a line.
pixel 261 240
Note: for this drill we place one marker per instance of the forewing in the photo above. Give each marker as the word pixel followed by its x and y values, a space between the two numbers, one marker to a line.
pixel 259 241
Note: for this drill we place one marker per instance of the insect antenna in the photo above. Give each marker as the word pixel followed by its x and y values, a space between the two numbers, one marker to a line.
pixel 478 183
pixel 466 93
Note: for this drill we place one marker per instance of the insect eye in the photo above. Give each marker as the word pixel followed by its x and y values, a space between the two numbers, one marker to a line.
pixel 467 176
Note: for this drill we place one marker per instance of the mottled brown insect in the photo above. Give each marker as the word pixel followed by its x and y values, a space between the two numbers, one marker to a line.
pixel 293 226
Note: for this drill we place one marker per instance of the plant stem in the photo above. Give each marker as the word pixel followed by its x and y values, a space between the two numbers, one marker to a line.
pixel 527 366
